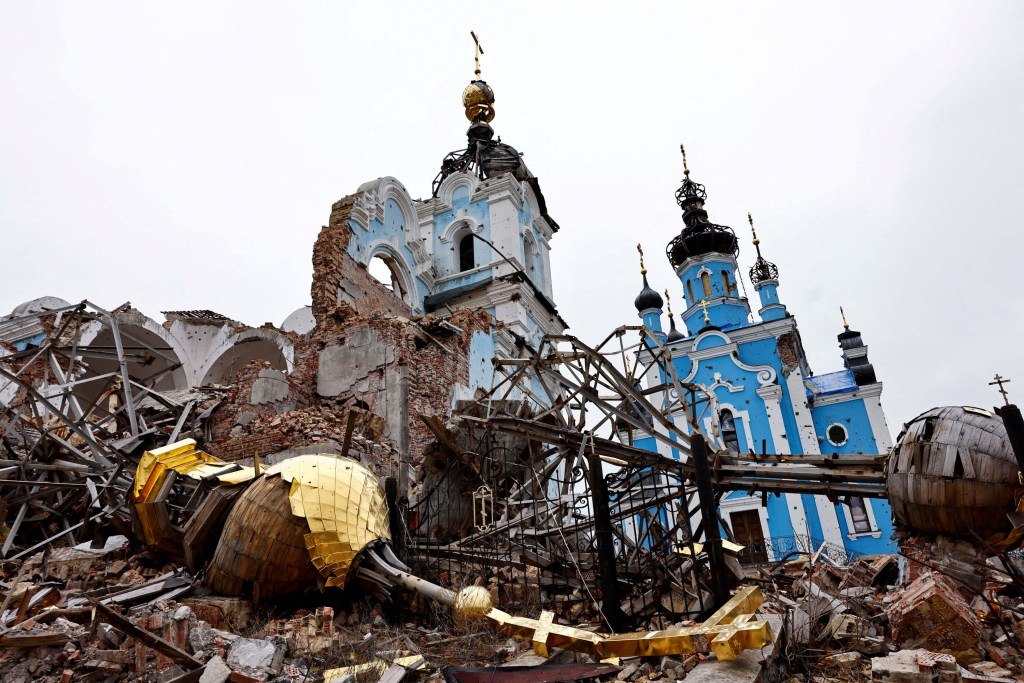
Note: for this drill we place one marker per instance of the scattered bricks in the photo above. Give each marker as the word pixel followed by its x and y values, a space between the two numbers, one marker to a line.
pixel 162 660
pixel 627 674
pixel 932 613
pixel 116 568
pixel 141 654
pixel 841 665
pixel 239 677
pixel 900 667
pixel 66 676
pixel 989 669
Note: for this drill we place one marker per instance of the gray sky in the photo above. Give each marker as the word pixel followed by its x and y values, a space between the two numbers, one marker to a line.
pixel 181 155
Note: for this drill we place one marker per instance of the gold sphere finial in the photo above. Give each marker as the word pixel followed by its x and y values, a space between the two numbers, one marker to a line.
pixel 643 269
pixel 846 325
pixel 668 300
pixel 471 604
pixel 682 150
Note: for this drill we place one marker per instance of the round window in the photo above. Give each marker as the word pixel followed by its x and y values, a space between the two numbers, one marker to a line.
pixel 837 435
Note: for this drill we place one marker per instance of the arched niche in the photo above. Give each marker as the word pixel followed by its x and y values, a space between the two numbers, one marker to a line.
pixel 245 347
pixel 154 360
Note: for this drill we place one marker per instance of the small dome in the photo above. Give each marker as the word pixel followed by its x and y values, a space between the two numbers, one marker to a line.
pixel 674 334
pixel 648 298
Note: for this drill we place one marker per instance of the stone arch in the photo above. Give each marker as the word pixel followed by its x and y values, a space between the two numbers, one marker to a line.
pixel 244 347
pixel 401 272
pixel 155 359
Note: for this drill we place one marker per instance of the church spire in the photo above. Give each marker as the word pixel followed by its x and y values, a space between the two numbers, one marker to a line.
pixel 647 299
pixel 483 156
pixel 763 269
pixel 764 275
pixel 699 236
pixel 673 333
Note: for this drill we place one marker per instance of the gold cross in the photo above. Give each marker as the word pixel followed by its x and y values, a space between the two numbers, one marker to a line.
pixel 846 325
pixel 668 300
pixel 477 51
pixel 686 170
pixel 643 269
pixel 704 304
pixel 1000 381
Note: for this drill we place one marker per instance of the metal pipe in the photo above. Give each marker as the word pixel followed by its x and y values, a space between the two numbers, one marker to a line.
pixel 709 515
pixel 610 601
pixel 1014 424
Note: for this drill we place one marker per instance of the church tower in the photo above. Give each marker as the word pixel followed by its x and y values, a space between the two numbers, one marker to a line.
pixel 704 257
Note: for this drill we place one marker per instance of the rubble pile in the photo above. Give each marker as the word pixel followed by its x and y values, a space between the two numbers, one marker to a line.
pixel 937 612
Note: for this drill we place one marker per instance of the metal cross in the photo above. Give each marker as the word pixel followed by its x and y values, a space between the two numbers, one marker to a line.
pixel 682 150
pixel 704 304
pixel 643 269
pixel 1000 381
pixel 477 51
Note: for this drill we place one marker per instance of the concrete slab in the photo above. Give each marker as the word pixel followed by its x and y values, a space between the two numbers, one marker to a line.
pixel 270 386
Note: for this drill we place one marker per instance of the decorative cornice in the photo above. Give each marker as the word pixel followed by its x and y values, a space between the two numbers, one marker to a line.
pixel 865 392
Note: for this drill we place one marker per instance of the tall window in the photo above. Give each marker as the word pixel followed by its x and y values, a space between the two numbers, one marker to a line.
pixel 467 259
pixel 725 283
pixel 727 423
pixel 689 291
pixel 705 279
pixel 859 515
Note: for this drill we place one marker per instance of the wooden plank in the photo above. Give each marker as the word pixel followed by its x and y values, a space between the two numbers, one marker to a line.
pixel 34 640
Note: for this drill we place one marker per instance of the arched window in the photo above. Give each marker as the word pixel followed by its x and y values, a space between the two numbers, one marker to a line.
pixel 689 291
pixel 467 259
pixel 725 283
pixel 728 426
pixel 705 280
pixel 383 268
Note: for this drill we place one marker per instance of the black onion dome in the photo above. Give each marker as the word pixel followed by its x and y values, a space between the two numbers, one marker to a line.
pixel 762 270
pixel 674 335
pixel 699 235
pixel 648 298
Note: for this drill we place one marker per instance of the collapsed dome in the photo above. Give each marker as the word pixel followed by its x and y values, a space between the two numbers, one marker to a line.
pixel 953 472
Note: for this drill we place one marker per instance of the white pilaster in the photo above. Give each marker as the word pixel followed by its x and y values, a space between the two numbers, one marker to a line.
pixel 771 394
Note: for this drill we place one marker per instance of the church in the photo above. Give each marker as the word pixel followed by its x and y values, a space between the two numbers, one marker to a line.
pixel 412 299
pixel 758 394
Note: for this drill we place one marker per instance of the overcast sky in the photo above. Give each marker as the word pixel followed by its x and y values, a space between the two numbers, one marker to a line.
pixel 185 155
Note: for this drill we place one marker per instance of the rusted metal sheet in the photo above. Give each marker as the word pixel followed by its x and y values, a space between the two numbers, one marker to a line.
pixel 548 673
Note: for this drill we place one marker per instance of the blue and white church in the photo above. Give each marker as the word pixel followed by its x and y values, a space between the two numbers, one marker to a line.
pixel 760 393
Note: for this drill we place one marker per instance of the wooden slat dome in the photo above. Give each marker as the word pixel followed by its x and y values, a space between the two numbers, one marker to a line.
pixel 953 472
pixel 262 549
